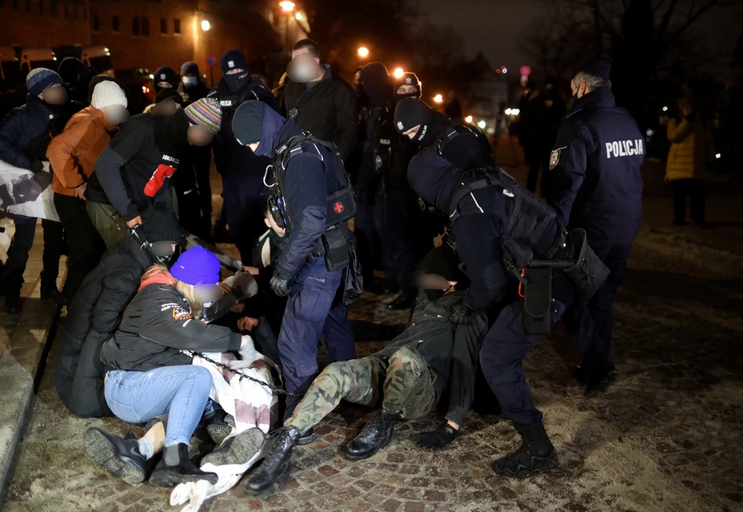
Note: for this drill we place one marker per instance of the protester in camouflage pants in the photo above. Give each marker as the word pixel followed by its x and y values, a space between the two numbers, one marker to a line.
pixel 403 386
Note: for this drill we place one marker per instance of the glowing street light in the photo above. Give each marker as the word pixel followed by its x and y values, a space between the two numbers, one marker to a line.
pixel 438 99
pixel 399 72
pixel 718 155
pixel 363 52
pixel 468 119
pixel 298 16
pixel 665 109
pixel 482 124
pixel 508 111
pixel 287 6
pixel 205 25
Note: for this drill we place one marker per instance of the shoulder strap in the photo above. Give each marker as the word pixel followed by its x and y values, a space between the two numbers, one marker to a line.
pixel 459 194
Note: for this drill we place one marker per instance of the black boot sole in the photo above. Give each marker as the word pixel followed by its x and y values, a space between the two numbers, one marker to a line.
pixel 237 450
pixel 372 453
pixel 549 463
pixel 267 488
pixel 103 453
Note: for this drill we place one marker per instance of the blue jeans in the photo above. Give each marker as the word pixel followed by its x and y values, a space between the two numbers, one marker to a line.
pixel 182 392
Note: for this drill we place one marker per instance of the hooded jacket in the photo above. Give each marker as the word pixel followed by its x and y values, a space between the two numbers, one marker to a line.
pixel 157 325
pixel 328 109
pixel 306 179
pixel 450 350
pixel 73 153
pixel 595 180
pixel 92 320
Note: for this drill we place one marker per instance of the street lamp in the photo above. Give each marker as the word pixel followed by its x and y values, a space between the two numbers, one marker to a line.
pixel 205 25
pixel 363 52
pixel 399 72
pixel 287 6
pixel 468 119
pixel 482 124
pixel 438 99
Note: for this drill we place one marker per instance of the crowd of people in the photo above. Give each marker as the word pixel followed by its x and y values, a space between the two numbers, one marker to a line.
pixel 297 164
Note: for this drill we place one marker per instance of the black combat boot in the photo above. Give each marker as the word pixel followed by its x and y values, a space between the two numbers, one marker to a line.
pixel 307 438
pixel 599 383
pixel 535 455
pixel 275 467
pixel 373 437
pixel 179 468
pixel 120 456
pixel 403 301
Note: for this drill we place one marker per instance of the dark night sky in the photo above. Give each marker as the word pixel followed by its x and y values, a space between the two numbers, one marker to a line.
pixel 495 26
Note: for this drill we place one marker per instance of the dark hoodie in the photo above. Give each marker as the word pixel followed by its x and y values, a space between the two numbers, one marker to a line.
pixel 306 180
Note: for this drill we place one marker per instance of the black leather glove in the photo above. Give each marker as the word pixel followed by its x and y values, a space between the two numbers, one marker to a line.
pixel 438 438
pixel 280 285
pixel 461 315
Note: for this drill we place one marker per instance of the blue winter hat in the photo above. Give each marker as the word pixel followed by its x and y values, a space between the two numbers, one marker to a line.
pixel 41 78
pixel 196 266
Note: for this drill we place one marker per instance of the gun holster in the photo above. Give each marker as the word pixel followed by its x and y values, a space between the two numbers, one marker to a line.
pixel 537 300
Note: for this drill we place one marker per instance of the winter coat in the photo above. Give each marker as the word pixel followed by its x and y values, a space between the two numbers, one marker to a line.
pixel 92 320
pixel 73 152
pixel 691 149
pixel 26 132
pixel 450 350
pixel 157 324
pixel 328 109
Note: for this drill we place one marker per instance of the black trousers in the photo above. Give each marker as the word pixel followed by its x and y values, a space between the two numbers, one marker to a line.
pixel 23 240
pixel 85 244
pixel 696 189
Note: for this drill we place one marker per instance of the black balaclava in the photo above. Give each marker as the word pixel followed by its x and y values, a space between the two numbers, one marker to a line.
pixel 433 179
pixel 407 79
pixel 235 59
pixel 255 121
pixel 375 83
pixel 165 74
pixel 411 112
pixel 442 261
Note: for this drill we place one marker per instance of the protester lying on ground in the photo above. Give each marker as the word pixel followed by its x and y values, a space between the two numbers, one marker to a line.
pixel 433 355
pixel 149 374
pixel 94 314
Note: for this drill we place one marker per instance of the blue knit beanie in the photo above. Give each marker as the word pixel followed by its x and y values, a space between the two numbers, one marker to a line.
pixel 196 266
pixel 41 78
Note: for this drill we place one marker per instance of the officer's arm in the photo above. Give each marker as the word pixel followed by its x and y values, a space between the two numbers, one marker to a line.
pixel 478 247
pixel 468 339
pixel 568 163
pixel 306 195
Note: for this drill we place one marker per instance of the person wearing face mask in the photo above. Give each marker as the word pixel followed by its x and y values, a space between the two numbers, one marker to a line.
pixel 25 134
pixel 433 356
pixel 95 312
pixel 136 167
pixel 595 184
pixel 72 155
pixel 319 100
pixel 312 198
pixel 242 171
pixel 165 78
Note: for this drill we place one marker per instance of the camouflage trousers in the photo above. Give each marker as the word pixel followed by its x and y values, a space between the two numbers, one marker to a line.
pixel 403 385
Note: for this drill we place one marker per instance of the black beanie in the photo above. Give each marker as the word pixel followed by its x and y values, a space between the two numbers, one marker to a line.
pixel 165 74
pixel 95 81
pixel 411 112
pixel 233 59
pixel 599 67
pixel 247 124
pixel 160 223
pixel 408 78
pixel 189 68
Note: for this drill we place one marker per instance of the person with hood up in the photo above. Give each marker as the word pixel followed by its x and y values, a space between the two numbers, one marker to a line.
pixel 370 224
pixel 319 100
pixel 149 371
pixel 431 357
pixel 72 155
pixel 76 77
pixel 136 167
pixel 25 134
pixel 94 313
pixel 306 176
pixel 242 171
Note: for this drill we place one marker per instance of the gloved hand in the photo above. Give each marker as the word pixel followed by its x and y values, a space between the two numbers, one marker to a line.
pixel 462 315
pixel 247 352
pixel 438 438
pixel 280 285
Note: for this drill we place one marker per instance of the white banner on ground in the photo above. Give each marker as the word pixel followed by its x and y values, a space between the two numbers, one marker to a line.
pixel 25 193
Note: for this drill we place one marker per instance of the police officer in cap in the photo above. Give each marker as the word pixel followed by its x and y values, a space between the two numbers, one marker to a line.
pixel 595 184
pixel 310 267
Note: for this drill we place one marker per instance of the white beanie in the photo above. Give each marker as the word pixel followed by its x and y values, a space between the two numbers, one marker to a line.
pixel 108 93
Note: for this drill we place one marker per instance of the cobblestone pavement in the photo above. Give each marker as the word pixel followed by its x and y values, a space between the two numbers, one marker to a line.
pixel 666 437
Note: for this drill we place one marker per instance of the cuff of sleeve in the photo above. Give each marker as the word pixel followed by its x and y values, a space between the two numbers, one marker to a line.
pixel 235 342
pixel 132 213
pixel 455 417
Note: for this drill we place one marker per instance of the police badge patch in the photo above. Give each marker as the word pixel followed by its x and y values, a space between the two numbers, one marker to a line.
pixel 180 313
pixel 555 158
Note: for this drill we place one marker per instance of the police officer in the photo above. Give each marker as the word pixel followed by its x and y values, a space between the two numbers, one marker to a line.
pixel 241 170
pixel 499 228
pixel 596 185
pixel 307 172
